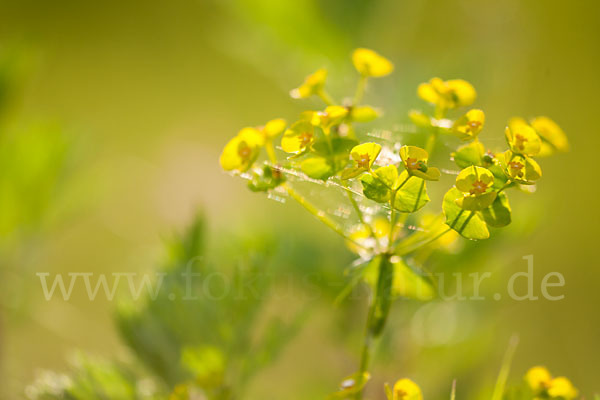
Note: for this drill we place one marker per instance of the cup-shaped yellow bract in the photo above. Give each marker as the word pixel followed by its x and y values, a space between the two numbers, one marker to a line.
pixel 553 137
pixel 241 151
pixel 312 85
pixel 476 184
pixel 365 154
pixel 541 382
pixel 369 63
pixel 405 389
pixel 331 116
pixel 298 137
pixel 538 378
pixel 561 387
pixel 447 94
pixel 519 168
pixel 522 138
pixel 414 160
pixel 469 125
pixel 274 128
pixel 363 114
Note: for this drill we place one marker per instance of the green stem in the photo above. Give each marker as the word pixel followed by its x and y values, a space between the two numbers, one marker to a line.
pixel 377 315
pixel 403 252
pixel 327 99
pixel 505 369
pixel 319 214
pixel 360 90
pixel 393 215
pixel 271 152
pixel 507 184
pixel 430 145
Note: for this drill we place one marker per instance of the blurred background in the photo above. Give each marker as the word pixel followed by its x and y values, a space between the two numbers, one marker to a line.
pixel 118 113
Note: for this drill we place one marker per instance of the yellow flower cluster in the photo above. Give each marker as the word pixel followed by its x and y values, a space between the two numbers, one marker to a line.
pixel 543 385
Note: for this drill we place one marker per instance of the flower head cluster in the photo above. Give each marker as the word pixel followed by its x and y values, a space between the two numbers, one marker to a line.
pixel 323 145
pixel 544 386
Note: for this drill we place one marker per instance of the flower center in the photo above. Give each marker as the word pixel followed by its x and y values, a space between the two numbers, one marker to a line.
pixel 412 163
pixel 363 161
pixel 244 151
pixel 305 139
pixel 478 187
pixel 473 125
pixel 516 168
pixel 520 141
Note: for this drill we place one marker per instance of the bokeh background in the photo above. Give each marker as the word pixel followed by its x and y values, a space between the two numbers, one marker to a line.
pixel 146 93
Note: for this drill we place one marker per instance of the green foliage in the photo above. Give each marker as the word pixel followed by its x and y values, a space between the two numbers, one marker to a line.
pixel 192 337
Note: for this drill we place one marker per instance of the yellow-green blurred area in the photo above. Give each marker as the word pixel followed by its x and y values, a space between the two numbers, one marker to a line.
pixel 146 93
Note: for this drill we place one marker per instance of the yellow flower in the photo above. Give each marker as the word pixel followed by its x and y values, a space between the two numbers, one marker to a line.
pixel 365 154
pixel 405 389
pixel 274 128
pixel 333 115
pixel 447 94
pixel 519 168
pixel 562 387
pixel 541 382
pixel 414 160
pixel 369 63
pixel 241 151
pixel 469 125
pixel 553 137
pixel 476 184
pixel 298 137
pixel 312 85
pixel 538 379
pixel 522 138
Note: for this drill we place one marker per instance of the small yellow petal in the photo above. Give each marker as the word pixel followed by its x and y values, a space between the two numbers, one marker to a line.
pixel 469 125
pixel 369 63
pixel 312 85
pixel 274 127
pixel 447 94
pixel 463 91
pixel 538 378
pixel 405 389
pixel 562 387
pixel 522 138
pixel 554 139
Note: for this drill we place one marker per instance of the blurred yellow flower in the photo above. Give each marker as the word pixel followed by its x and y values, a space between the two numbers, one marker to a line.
pixel 369 63
pixel 312 85
pixel 469 125
pixel 405 389
pixel 447 94
pixel 241 151
pixel 553 137
pixel 522 138
pixel 298 137
pixel 333 115
pixel 542 384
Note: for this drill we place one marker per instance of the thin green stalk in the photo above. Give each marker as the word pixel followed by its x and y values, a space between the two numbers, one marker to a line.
pixel 423 243
pixel 360 90
pixel 393 215
pixel 327 99
pixel 505 369
pixel 377 315
pixel 430 145
pixel 321 215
